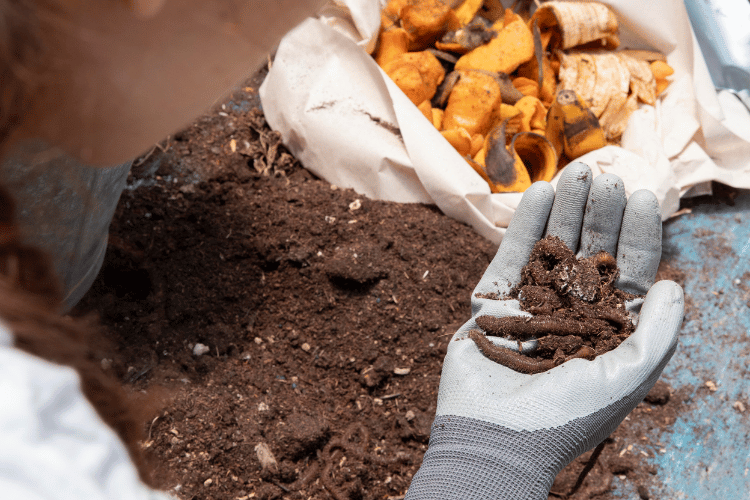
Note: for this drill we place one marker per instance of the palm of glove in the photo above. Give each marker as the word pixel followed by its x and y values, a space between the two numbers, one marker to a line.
pixel 534 425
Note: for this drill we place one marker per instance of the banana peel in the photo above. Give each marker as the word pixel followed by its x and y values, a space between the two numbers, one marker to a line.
pixel 614 120
pixel 572 127
pixel 564 25
pixel 605 80
pixel 642 81
pixel 595 77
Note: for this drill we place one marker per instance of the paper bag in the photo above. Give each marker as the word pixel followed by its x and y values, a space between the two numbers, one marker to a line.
pixel 348 123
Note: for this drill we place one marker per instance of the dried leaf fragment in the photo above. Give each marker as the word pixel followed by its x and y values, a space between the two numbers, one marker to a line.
pixel 265 457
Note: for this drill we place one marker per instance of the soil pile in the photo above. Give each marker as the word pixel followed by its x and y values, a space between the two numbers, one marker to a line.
pixel 326 317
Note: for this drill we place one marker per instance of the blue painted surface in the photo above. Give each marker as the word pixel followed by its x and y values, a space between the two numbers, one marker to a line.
pixel 706 453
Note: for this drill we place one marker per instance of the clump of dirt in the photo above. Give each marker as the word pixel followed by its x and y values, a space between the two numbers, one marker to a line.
pixel 579 313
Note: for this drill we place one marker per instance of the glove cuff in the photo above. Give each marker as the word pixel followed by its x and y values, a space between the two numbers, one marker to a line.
pixel 473 459
pixel 477 460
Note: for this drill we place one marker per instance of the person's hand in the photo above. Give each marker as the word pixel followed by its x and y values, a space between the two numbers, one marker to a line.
pixel 501 434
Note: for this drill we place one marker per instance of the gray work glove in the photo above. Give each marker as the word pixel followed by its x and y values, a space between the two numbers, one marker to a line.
pixel 500 434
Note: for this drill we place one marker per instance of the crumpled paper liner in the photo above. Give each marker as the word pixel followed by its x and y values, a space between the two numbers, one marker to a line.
pixel 347 122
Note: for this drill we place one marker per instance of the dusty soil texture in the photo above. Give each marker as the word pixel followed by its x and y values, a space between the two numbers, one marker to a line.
pixel 296 329
pixel 577 310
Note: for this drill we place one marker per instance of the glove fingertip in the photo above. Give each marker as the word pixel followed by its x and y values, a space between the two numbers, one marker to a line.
pixel 664 300
pixel 644 200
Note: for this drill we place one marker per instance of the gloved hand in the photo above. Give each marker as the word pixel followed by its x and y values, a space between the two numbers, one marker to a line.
pixel 500 434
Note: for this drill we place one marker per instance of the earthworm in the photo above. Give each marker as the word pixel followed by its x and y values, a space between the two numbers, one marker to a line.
pixel 307 477
pixel 356 450
pixel 536 326
pixel 518 362
pixel 608 314
pixel 325 478
pixel 587 468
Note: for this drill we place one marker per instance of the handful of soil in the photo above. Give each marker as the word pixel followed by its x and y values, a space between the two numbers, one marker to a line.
pixel 578 312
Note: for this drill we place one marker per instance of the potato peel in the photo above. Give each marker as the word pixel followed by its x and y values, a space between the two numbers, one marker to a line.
pixel 472 102
pixel 513 46
pixel 537 153
pixel 468 10
pixel 504 168
pixel 417 74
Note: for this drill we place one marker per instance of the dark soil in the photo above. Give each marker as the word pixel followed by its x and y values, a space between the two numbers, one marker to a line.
pixel 577 310
pixel 325 316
